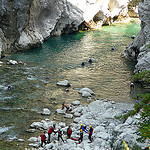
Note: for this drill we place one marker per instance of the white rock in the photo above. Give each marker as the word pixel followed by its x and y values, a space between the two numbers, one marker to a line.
pixel 69 116
pixel 78 109
pixel 103 135
pixel 12 62
pixel 112 125
pixel 76 120
pixel 129 121
pixel 1 62
pixel 45 125
pixel 46 111
pixel 21 140
pixel 36 125
pixel 62 124
pixel 76 114
pixel 86 90
pixel 60 111
pixel 99 129
pixel 76 103
pixel 85 94
pixel 63 83
pixel 49 146
pixel 32 139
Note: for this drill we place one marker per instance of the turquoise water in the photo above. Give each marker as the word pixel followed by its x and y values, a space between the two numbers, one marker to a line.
pixel 34 84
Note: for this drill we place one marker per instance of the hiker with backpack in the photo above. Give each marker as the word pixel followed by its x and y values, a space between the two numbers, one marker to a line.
pixel 50 131
pixel 43 139
pixel 69 132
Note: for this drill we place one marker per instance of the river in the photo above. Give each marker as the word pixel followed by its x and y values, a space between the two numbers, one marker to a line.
pixel 34 82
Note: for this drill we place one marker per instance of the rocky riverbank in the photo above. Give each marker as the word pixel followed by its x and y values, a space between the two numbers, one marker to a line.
pixel 108 132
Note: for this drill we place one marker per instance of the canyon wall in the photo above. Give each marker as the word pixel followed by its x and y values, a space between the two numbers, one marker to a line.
pixel 25 24
pixel 139 49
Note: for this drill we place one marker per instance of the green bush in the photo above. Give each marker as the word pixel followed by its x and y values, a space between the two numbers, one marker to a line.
pixel 144 75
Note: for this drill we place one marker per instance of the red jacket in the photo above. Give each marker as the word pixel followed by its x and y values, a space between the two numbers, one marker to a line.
pixel 50 130
pixel 69 131
pixel 43 137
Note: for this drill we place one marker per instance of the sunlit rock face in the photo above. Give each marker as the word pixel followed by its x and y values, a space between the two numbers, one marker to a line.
pixel 140 48
pixel 25 24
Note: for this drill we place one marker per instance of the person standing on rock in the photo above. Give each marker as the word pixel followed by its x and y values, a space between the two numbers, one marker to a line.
pixel 82 128
pixel 43 139
pixel 69 132
pixel 50 131
pixel 60 134
pixel 64 105
pixel 90 133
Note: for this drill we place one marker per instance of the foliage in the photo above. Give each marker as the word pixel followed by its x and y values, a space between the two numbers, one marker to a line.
pixel 141 106
pixel 143 75
pixel 113 141
pixel 144 108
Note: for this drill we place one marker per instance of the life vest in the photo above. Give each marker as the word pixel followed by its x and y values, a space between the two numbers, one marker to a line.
pixel 42 137
pixel 81 131
pixel 50 130
pixel 91 131
pixel 69 131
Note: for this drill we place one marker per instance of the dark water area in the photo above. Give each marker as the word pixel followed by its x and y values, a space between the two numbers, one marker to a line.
pixel 34 82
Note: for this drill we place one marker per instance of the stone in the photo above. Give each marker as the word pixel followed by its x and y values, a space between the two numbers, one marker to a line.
pixel 129 121
pixel 139 49
pixel 76 114
pixel 21 140
pixel 76 103
pixel 76 120
pixel 46 111
pixel 78 109
pixel 12 62
pixel 31 130
pixel 69 116
pixel 36 125
pixel 62 124
pixel 63 83
pixel 99 129
pixel 86 90
pixel 85 94
pixel 60 111
pixel 103 135
pixel 32 139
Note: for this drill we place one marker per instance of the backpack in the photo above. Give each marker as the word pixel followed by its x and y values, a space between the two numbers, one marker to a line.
pixel 69 131
pixel 50 130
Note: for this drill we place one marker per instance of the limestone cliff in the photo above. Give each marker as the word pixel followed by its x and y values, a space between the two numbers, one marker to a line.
pixel 139 49
pixel 27 23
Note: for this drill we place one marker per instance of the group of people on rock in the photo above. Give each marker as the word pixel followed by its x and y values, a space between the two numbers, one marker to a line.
pixel 69 132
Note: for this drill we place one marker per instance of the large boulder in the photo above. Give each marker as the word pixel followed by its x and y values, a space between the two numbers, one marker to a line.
pixel 139 49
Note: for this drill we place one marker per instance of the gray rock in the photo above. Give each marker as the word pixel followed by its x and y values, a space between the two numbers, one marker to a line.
pixel 21 140
pixel 76 114
pixel 69 116
pixel 76 120
pixel 46 111
pixel 103 135
pixel 63 83
pixel 36 125
pixel 60 111
pixel 76 103
pixel 85 94
pixel 31 130
pixel 129 121
pixel 62 124
pixel 86 90
pixel 33 139
pixel 12 62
